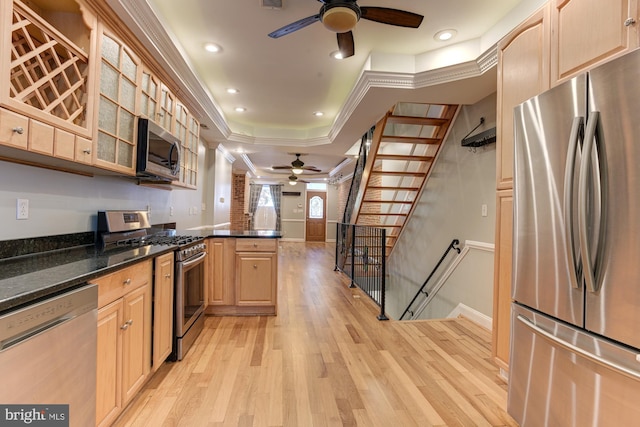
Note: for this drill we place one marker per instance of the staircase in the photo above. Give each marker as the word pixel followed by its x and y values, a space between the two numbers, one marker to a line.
pixel 404 147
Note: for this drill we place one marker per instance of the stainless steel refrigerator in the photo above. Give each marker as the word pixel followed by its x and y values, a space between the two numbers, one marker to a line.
pixel 575 337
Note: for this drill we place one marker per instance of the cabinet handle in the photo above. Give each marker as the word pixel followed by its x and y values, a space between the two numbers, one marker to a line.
pixel 255 266
pixel 86 151
pixel 127 282
pixel 19 130
pixel 166 276
pixel 127 324
pixel 255 245
pixel 629 22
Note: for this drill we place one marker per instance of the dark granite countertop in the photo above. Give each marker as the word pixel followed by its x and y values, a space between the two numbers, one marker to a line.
pixel 31 269
pixel 257 234
pixel 28 278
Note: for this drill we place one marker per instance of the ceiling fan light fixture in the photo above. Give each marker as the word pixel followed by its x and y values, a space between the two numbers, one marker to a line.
pixel 297 171
pixel 293 180
pixel 340 19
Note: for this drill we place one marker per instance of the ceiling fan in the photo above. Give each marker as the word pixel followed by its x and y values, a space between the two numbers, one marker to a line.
pixel 297 166
pixel 293 179
pixel 341 16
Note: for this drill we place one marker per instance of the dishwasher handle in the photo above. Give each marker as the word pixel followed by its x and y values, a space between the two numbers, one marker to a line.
pixel 34 319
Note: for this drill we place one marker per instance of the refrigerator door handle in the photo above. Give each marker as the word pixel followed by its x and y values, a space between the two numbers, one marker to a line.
pixel 575 349
pixel 574 137
pixel 583 226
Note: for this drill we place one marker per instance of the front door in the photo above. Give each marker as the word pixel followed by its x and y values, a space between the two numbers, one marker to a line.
pixel 316 216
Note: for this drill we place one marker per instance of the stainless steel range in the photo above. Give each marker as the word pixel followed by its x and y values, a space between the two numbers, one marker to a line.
pixel 121 229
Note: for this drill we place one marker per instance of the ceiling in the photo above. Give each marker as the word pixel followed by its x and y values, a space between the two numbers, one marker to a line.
pixel 283 81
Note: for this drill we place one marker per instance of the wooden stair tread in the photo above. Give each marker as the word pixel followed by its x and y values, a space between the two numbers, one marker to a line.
pixel 382 214
pixel 411 140
pixel 399 173
pixel 406 157
pixel 422 121
pixel 373 187
pixel 403 202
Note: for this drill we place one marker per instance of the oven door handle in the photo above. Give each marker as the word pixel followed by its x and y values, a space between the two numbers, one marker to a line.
pixel 190 261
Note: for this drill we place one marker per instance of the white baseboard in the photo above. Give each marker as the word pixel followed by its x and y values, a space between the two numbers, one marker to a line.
pixel 473 315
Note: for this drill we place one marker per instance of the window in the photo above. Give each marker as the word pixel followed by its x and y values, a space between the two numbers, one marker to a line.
pixel 317 186
pixel 316 207
pixel 265 216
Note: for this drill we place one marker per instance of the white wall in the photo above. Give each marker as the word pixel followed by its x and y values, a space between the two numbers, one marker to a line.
pixel 450 207
pixel 222 177
pixel 292 213
pixel 61 203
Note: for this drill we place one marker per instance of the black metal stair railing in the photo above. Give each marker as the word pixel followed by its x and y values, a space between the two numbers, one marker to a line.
pixel 357 176
pixel 452 246
pixel 360 254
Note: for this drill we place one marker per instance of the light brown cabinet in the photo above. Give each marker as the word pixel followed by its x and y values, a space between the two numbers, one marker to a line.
pixel 46 55
pixel 523 72
pixel 163 297
pixel 502 281
pixel 124 338
pixel 75 88
pixel 243 276
pixel 587 33
pixel 257 274
pixel 220 257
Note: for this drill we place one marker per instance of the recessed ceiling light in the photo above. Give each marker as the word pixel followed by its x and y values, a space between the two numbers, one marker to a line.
pixel 318 113
pixel 232 90
pixel 336 54
pixel 240 109
pixel 212 47
pixel 445 35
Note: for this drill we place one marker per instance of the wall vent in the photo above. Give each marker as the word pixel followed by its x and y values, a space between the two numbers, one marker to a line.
pixel 271 4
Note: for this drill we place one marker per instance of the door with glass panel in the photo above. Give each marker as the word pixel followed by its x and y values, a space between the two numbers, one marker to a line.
pixel 316 216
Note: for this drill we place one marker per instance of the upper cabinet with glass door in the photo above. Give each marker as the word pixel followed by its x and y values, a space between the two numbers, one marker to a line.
pixel 117 105
pixel 187 131
pixel 150 96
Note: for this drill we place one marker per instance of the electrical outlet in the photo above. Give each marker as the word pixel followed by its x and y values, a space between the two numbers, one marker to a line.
pixel 484 210
pixel 22 209
pixel 170 210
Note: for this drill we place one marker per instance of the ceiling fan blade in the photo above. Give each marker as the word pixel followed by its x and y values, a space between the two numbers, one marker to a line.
pixel 345 44
pixel 294 26
pixel 384 15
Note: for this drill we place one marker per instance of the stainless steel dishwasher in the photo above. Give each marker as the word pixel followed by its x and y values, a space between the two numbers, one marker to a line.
pixel 48 356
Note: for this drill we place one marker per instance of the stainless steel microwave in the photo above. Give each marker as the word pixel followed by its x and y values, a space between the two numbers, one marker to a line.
pixel 158 152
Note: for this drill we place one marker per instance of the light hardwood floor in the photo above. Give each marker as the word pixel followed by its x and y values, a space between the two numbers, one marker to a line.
pixel 326 360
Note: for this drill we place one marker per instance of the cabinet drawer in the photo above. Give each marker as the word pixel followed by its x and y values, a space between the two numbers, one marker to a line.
pixel 115 285
pixel 13 129
pixel 256 245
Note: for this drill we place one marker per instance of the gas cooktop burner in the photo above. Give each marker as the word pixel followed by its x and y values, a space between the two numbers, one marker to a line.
pixel 169 240
pixel 124 229
pixel 158 239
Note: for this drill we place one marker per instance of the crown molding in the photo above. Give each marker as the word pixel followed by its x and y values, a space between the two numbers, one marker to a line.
pixel 146 25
